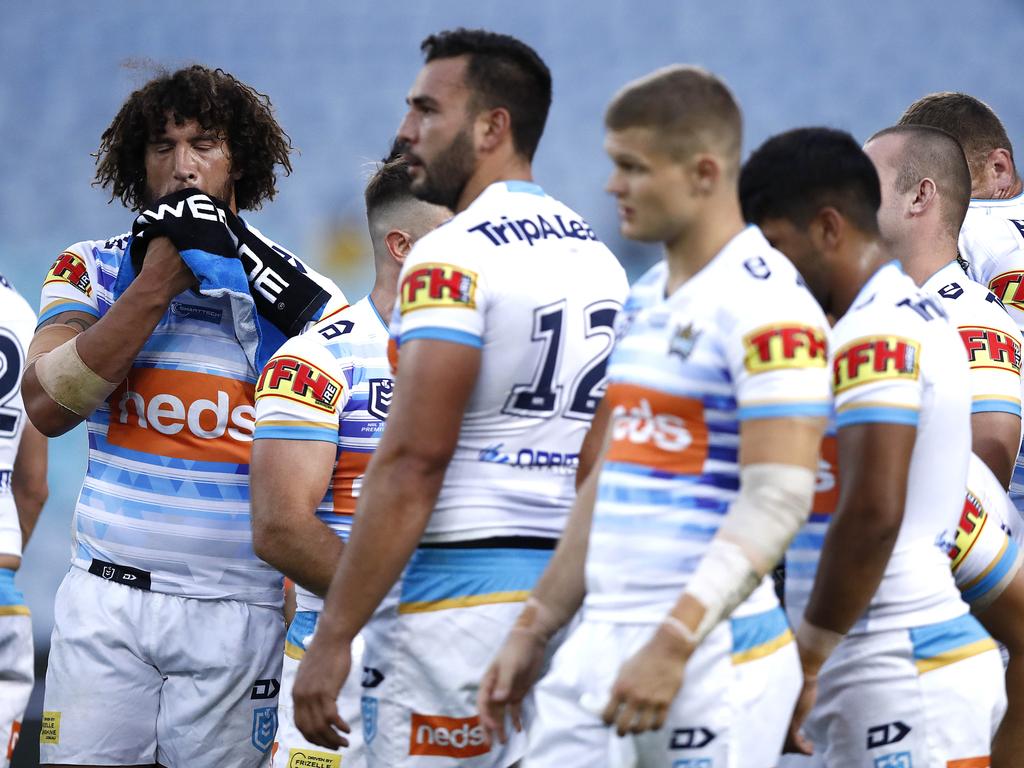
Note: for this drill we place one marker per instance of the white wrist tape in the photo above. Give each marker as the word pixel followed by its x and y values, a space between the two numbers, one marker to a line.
pixel 772 505
pixel 816 643
pixel 71 383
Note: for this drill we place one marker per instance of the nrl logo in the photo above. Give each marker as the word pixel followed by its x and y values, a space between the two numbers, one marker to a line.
pixel 683 342
pixel 380 397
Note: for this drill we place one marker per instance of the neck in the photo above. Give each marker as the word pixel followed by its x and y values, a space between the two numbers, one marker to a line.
pixel 384 293
pixel 922 257
pixel 1014 189
pixel 865 257
pixel 513 168
pixel 693 248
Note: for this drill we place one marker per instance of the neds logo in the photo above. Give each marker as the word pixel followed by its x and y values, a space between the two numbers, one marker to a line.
pixel 183 414
pixel 657 430
pixel 447 736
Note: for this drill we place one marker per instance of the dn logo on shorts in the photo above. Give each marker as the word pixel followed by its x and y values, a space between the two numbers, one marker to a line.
pixel 264 727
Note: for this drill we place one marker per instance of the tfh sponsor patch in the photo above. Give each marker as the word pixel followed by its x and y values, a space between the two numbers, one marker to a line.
pixel 990 348
pixel 438 285
pixel 1009 288
pixel 972 520
pixel 780 346
pixel 295 379
pixel 70 268
pixel 875 358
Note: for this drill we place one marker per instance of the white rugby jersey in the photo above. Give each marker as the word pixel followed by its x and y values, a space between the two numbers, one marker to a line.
pixel 523 278
pixel 166 492
pixel 17 321
pixel 897 359
pixel 742 339
pixel 333 384
pixel 992 242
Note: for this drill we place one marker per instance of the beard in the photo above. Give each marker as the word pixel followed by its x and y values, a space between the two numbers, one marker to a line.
pixel 446 176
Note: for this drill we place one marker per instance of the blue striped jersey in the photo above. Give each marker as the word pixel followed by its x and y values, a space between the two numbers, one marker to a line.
pixel 167 489
pixel 742 339
pixel 332 384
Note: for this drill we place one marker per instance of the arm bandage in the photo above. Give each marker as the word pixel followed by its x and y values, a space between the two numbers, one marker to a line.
pixel 772 505
pixel 69 382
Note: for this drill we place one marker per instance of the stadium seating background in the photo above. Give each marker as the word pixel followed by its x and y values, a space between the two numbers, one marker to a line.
pixel 338 72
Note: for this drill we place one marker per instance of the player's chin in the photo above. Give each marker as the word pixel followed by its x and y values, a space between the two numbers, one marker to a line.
pixel 631 229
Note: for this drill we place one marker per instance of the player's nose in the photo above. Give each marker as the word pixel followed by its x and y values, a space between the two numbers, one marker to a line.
pixel 184 164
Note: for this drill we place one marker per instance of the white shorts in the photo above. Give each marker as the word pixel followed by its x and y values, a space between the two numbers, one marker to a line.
pixel 732 712
pixel 17 672
pixel 142 677
pixel 455 608
pixel 928 697
pixel 292 750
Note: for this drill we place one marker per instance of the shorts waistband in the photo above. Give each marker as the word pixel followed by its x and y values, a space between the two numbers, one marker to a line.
pixel 759 635
pixel 300 632
pixel 937 645
pixel 497 542
pixel 12 601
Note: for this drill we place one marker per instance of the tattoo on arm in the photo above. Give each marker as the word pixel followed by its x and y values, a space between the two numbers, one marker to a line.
pixel 80 321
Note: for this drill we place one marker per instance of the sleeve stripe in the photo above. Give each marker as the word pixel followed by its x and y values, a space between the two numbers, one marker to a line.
pixel 995 573
pixel 996 406
pixel 66 306
pixel 783 410
pixel 442 334
pixel 877 414
pixel 295 433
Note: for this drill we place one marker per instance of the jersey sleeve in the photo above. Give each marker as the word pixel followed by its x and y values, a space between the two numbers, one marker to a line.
pixel 301 393
pixel 70 283
pixel 876 375
pixel 442 295
pixel 779 358
pixel 994 356
pixel 994 248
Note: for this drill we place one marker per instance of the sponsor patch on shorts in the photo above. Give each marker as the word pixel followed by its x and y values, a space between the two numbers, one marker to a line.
pixel 310 758
pixel 894 760
pixel 441 736
pixel 50 731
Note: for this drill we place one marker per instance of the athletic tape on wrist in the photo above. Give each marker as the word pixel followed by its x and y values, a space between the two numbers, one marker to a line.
pixel 71 383
pixel 816 643
pixel 537 619
pixel 773 503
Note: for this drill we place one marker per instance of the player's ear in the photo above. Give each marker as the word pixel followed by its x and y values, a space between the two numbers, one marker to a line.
pixel 399 244
pixel 827 230
pixel 492 128
pixel 925 195
pixel 999 166
pixel 706 170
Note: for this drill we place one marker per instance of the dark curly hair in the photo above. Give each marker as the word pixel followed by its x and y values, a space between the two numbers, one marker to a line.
pixel 216 100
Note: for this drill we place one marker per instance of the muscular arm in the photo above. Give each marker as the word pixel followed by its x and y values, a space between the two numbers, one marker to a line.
pixel 995 439
pixel 28 480
pixel 287 482
pixel 874 460
pixel 432 388
pixel 109 345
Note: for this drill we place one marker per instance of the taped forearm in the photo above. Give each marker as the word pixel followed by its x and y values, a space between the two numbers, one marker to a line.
pixel 68 381
pixel 772 505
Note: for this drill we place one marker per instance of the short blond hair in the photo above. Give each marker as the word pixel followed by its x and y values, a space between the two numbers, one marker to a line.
pixel 690 107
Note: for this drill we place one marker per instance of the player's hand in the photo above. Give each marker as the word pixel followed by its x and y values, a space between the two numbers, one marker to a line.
pixel 647 684
pixel 165 268
pixel 321 674
pixel 508 680
pixel 796 741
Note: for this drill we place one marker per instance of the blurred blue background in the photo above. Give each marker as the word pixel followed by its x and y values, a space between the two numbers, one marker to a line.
pixel 338 72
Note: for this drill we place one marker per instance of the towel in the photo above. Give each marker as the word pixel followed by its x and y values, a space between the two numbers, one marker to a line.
pixel 271 299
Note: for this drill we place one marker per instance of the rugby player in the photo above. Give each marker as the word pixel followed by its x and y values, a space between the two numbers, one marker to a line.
pixel 23 492
pixel 320 408
pixel 502 329
pixel 883 611
pixel 717 399
pixel 168 629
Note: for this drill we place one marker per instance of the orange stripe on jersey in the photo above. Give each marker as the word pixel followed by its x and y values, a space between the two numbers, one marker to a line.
pixel 657 430
pixel 348 478
pixel 970 762
pixel 183 414
pixel 826 488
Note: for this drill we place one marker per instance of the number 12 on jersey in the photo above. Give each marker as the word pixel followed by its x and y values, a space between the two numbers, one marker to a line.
pixel 541 397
